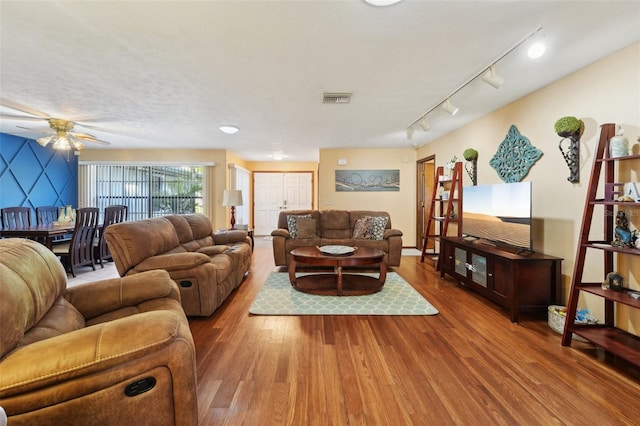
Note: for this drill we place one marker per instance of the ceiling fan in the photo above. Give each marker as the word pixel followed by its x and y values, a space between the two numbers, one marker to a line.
pixel 60 136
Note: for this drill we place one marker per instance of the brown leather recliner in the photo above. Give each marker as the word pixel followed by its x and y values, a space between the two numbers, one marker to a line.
pixel 117 351
pixel 207 265
pixel 334 227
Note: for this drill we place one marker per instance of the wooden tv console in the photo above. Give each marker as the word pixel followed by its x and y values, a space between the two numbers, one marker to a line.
pixel 518 282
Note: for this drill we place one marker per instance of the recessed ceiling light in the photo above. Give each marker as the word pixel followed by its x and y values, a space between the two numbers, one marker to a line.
pixel 230 130
pixel 536 50
pixel 382 2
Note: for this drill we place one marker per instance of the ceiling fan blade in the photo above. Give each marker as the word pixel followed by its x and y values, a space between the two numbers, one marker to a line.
pixel 36 130
pixel 89 138
pixel 22 108
pixel 20 117
pixel 88 126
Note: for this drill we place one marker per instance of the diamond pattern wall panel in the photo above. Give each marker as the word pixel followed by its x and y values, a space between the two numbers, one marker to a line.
pixel 32 176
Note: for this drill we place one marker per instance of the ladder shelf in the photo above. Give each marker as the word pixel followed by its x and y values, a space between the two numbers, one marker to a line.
pixel 442 211
pixel 608 335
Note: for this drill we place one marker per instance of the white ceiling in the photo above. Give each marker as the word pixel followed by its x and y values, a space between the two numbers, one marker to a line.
pixel 151 74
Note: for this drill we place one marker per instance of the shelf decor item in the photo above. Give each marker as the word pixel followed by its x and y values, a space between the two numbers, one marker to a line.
pixel 619 144
pixel 515 156
pixel 471 155
pixel 570 129
pixel 623 236
pixel 615 281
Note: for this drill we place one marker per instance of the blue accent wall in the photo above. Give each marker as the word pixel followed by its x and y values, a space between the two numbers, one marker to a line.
pixel 33 176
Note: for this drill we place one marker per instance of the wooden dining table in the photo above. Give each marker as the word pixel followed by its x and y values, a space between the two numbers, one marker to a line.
pixel 42 233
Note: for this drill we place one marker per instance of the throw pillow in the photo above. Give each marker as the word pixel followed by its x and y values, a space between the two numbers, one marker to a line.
pixel 361 229
pixel 378 224
pixel 370 228
pixel 292 223
pixel 306 228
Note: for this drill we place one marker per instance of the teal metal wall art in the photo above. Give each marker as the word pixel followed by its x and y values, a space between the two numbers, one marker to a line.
pixel 514 157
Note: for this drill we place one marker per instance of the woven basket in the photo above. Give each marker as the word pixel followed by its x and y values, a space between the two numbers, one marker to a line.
pixel 556 321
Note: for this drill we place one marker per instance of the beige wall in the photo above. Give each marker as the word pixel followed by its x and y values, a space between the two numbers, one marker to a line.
pixel 607 91
pixel 400 204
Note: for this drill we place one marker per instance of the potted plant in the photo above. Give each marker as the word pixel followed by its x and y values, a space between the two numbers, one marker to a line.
pixel 569 126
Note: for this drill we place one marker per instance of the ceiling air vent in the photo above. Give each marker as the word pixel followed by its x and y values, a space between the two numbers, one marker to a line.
pixel 336 98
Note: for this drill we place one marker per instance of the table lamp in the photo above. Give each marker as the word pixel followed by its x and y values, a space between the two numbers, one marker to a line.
pixel 233 198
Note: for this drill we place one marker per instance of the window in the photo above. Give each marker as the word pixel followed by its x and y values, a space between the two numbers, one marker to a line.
pixel 147 190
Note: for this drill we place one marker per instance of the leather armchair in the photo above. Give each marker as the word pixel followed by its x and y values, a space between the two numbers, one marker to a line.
pixel 116 351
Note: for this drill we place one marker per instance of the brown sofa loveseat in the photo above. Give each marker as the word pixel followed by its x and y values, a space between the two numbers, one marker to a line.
pixel 116 351
pixel 333 227
pixel 207 266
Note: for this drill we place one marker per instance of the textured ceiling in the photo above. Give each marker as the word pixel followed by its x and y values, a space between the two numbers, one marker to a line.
pixel 150 74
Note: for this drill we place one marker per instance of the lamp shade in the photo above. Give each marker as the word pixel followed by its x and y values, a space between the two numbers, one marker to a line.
pixel 232 197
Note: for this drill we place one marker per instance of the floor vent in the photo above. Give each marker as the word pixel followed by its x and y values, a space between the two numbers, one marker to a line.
pixel 336 98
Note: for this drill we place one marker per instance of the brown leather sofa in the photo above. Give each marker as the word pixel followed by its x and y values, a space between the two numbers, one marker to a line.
pixel 117 351
pixel 207 266
pixel 334 227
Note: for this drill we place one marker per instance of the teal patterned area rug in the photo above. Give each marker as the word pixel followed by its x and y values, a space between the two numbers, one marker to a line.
pixel 397 297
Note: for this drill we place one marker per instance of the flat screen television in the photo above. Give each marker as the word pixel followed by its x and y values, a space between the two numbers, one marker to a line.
pixel 498 213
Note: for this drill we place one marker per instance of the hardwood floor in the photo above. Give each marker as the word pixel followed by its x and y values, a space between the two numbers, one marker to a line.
pixel 468 365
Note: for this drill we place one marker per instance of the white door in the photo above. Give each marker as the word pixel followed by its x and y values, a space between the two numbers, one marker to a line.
pixel 274 192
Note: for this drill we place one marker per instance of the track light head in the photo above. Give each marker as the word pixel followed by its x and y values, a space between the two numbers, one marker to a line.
pixel 410 133
pixel 492 78
pixel 449 107
pixel 424 124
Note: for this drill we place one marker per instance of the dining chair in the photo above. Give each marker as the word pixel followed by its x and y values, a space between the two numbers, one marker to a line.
pixel 112 214
pixel 15 217
pixel 46 215
pixel 79 251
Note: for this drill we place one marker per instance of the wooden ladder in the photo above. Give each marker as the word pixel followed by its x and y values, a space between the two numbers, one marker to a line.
pixel 442 212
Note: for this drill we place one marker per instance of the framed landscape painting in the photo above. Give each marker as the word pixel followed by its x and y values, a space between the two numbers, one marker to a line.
pixel 367 180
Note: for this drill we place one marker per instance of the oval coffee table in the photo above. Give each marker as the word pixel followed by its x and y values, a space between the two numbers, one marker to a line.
pixel 337 283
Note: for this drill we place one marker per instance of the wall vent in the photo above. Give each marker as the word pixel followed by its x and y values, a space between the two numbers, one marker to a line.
pixel 336 98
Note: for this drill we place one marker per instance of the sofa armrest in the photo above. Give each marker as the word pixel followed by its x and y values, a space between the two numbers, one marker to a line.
pixel 90 350
pixel 213 250
pixel 230 236
pixel 280 232
pixel 101 297
pixel 392 233
pixel 172 262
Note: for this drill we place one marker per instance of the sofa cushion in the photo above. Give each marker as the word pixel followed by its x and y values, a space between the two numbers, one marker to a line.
pixel 378 224
pixel 28 293
pixel 336 224
pixel 370 228
pixel 361 229
pixel 131 243
pixel 292 223
pixel 306 227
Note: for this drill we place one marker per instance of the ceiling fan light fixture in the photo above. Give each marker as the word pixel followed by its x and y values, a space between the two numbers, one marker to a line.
pixel 66 142
pixel 44 141
pixel 450 108
pixel 229 130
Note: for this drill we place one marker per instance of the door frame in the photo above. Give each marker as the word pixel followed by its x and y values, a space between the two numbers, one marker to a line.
pixel 425 181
